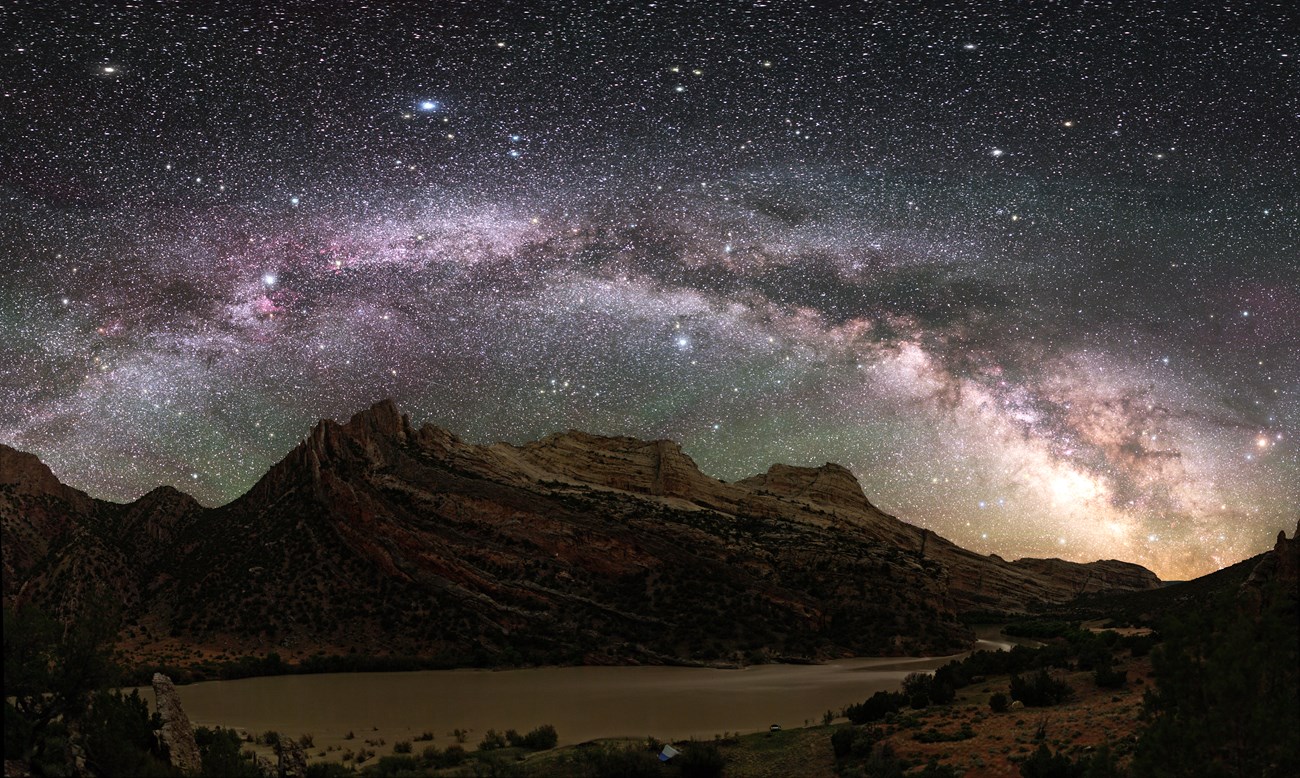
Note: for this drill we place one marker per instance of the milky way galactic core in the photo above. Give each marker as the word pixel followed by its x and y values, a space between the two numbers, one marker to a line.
pixel 1029 270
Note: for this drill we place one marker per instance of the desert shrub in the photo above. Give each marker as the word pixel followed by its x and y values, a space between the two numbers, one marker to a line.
pixel 1093 654
pixel 875 707
pixel 933 735
pixel 882 762
pixel 854 742
pixel 395 767
pixel 612 762
pixel 402 747
pixel 327 770
pixel 842 741
pixel 540 739
pixel 917 683
pixel 1109 677
pixel 492 740
pixel 1045 764
pixel 1051 655
pixel 700 760
pixel 942 693
pixel 453 756
pixel 1039 690
pixel 251 666
pixel 423 736
pixel 1138 645
pixel 999 703
pixel 220 752
pixel 118 734
pixel 1041 629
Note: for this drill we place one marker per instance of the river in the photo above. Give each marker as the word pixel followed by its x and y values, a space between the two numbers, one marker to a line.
pixel 582 703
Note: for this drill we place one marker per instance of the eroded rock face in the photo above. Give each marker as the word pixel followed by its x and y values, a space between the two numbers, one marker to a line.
pixel 177 733
pixel 828 485
pixel 1288 560
pixel 1277 573
pixel 291 762
pixel 38 514
pixel 652 467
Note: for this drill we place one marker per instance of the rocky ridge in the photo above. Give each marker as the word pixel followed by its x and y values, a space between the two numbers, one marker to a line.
pixel 378 537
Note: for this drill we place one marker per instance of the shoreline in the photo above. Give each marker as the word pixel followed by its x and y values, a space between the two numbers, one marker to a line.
pixel 271 665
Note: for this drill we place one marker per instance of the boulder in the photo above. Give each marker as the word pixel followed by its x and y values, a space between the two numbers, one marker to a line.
pixel 177 733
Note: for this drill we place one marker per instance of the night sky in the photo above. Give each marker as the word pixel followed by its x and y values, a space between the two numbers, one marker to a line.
pixel 1030 270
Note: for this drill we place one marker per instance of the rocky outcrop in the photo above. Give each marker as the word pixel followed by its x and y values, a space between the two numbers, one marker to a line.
pixel 1277 574
pixel 655 467
pixel 177 733
pixel 291 762
pixel 1288 560
pixel 828 485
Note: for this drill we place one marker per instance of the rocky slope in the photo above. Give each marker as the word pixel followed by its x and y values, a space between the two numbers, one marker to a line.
pixel 1276 574
pixel 377 537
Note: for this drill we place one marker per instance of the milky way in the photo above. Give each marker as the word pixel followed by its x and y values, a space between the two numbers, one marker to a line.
pixel 1031 272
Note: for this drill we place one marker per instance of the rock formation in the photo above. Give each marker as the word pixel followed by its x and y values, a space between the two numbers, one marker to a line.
pixel 291 762
pixel 384 538
pixel 1276 574
pixel 177 733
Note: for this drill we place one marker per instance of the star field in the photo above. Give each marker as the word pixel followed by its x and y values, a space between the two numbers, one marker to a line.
pixel 1031 272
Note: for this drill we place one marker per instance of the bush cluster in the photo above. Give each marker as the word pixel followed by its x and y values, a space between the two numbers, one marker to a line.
pixel 875 707
pixel 1040 690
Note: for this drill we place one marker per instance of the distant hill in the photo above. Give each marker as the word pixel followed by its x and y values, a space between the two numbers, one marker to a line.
pixel 376 538
pixel 1150 606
